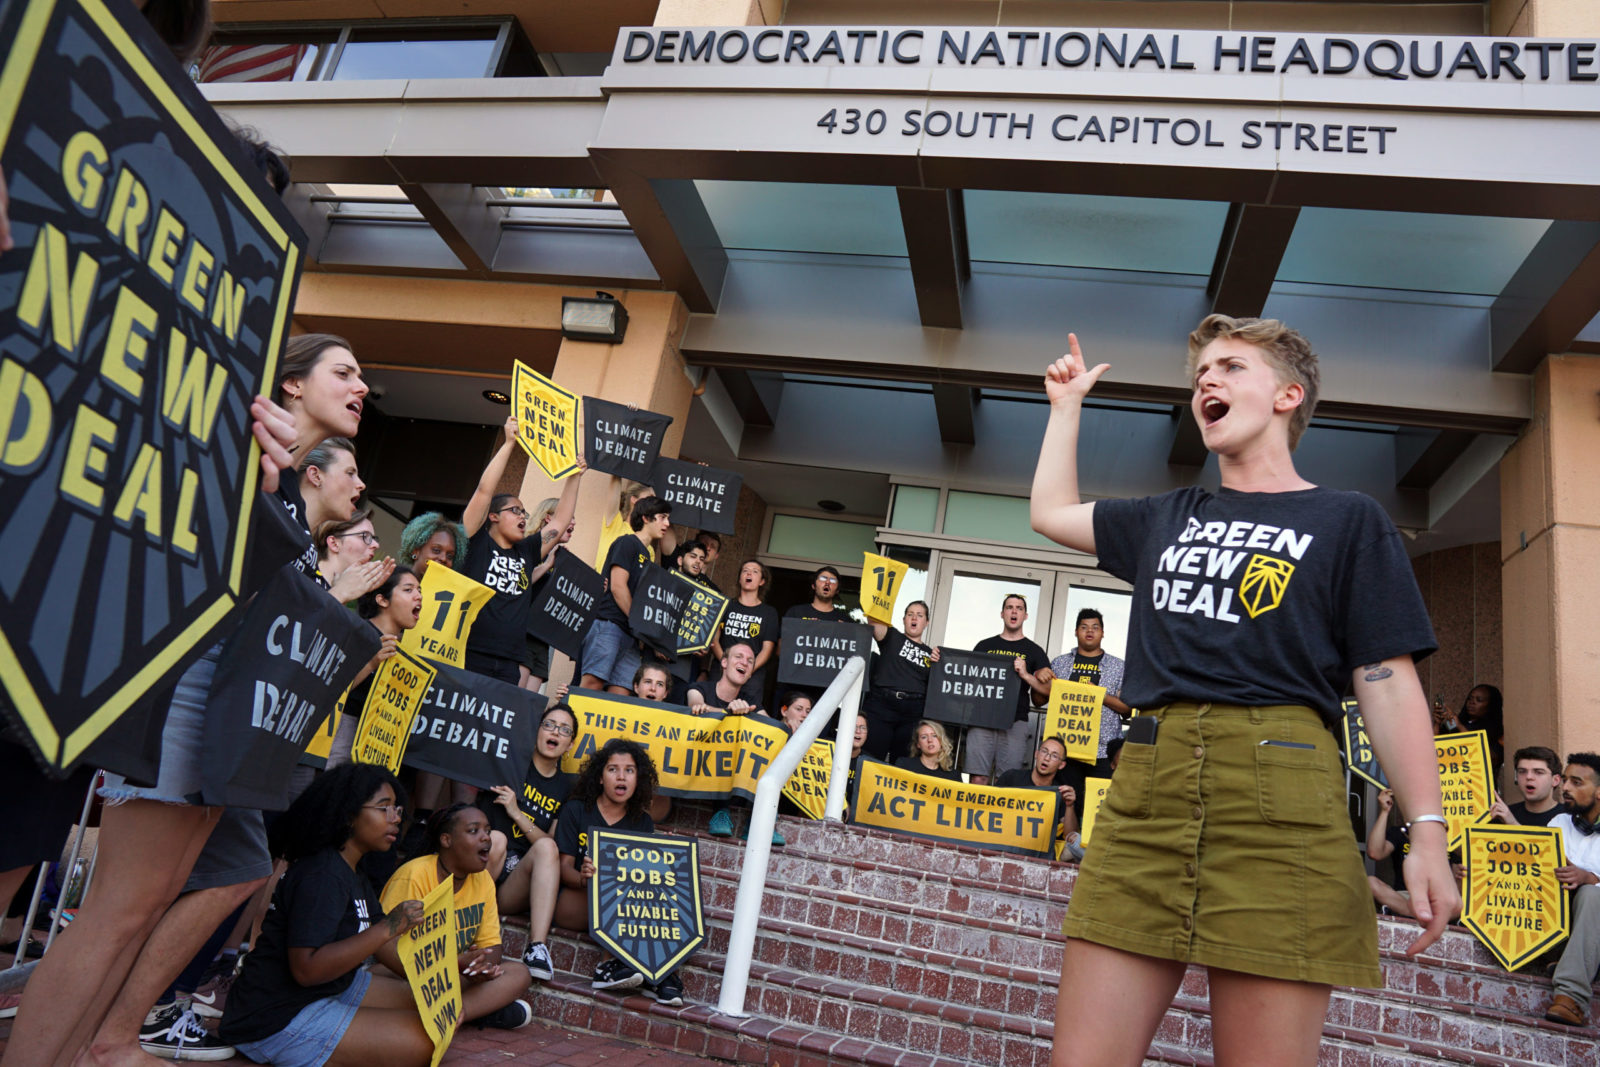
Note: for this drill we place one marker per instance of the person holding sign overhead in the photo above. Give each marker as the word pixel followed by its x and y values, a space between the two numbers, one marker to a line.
pixel 931 753
pixel 894 700
pixel 1255 608
pixel 991 753
pixel 610 651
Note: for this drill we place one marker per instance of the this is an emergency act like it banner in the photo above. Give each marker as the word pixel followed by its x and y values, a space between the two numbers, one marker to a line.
pixel 1465 780
pixel 399 687
pixel 644 899
pixel 565 603
pixel 881 578
pixel 807 787
pixel 1073 714
pixel 702 498
pixel 621 440
pixel 711 756
pixel 474 729
pixel 143 306
pixel 972 689
pixel 1011 820
pixel 450 603
pixel 1513 903
pixel 1359 754
pixel 547 421
pixel 428 955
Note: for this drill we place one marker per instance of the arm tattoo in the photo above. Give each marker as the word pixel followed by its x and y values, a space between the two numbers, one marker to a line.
pixel 1377 672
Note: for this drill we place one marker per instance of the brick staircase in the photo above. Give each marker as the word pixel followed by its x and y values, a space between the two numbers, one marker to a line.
pixel 876 949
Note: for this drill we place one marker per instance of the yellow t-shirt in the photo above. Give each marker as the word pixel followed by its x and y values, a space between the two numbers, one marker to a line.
pixel 477 917
pixel 614 528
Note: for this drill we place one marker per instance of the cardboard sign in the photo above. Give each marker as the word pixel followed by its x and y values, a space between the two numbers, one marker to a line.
pixel 474 729
pixel 1514 904
pixel 1466 781
pixel 881 578
pixel 710 757
pixel 807 787
pixel 428 956
pixel 702 498
pixel 703 609
pixel 1358 752
pixel 144 304
pixel 565 602
pixel 644 899
pixel 398 689
pixel 292 657
pixel 450 604
pixel 1074 714
pixel 812 653
pixel 547 421
pixel 1011 820
pixel 972 689
pixel 658 603
pixel 1094 794
pixel 620 440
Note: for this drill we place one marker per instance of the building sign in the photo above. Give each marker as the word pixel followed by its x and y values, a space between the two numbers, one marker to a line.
pixel 702 497
pixel 1513 903
pixel 1011 820
pixel 644 899
pixel 621 440
pixel 972 689
pixel 142 308
pixel 565 602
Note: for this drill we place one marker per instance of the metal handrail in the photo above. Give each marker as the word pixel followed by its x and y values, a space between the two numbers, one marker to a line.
pixel 844 694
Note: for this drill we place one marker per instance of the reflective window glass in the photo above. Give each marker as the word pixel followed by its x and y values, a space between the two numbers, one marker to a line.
pixel 801 217
pixel 1104 232
pixel 389 56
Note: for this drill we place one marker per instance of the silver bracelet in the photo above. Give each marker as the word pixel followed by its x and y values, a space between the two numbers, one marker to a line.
pixel 1440 819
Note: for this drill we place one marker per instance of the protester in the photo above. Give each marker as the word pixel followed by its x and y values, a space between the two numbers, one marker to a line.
pixel 1237 678
pixel 931 753
pixel 824 587
pixel 393 608
pixel 343 545
pixel 332 490
pixel 610 651
pixel 1089 662
pixel 620 522
pixel 1484 709
pixel 893 701
pixel 651 682
pixel 613 792
pixel 1580 960
pixel 725 695
pixel 528 874
pixel 1538 772
pixel 1073 847
pixel 432 538
pixel 690 564
pixel 793 710
pixel 750 619
pixel 1390 836
pixel 990 752
pixel 1047 761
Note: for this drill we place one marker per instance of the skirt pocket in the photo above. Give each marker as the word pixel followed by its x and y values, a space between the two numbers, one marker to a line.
pixel 1133 783
pixel 1293 786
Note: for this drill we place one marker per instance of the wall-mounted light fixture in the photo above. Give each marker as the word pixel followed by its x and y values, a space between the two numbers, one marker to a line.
pixel 601 319
pixel 496 396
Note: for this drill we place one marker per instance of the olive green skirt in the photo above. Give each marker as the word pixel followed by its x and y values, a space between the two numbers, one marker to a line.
pixel 1213 848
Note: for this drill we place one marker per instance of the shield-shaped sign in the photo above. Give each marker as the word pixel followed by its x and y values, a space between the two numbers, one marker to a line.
pixel 547 421
pixel 1465 781
pixel 1514 904
pixel 1264 583
pixel 1359 755
pixel 644 899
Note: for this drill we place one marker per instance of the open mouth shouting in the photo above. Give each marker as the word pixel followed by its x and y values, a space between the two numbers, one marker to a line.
pixel 1213 409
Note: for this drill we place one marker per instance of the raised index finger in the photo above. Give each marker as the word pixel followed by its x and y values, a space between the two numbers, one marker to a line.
pixel 1076 350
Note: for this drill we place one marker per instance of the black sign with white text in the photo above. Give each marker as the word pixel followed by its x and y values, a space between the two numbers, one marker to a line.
pixel 702 497
pixel 644 899
pixel 474 729
pixel 565 603
pixel 972 689
pixel 658 603
pixel 621 440
pixel 812 653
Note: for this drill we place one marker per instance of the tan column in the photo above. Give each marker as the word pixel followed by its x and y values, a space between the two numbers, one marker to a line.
pixel 1550 545
pixel 719 12
pixel 1544 18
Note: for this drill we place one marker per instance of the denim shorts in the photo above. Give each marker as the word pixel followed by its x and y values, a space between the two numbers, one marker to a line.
pixel 182 741
pixel 313 1034
pixel 610 654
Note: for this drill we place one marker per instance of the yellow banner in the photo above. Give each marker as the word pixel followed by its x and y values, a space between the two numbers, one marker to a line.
pixel 881 578
pixel 1011 820
pixel 1514 904
pixel 321 746
pixel 547 421
pixel 1073 714
pixel 397 693
pixel 428 955
pixel 708 756
pixel 1466 780
pixel 808 785
pixel 450 604
pixel 1094 792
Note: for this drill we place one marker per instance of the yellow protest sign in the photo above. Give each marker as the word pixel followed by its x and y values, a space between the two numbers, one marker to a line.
pixel 428 955
pixel 709 756
pixel 450 603
pixel 547 421
pixel 808 785
pixel 1466 781
pixel 1073 714
pixel 881 578
pixel 1359 754
pixel 398 689
pixel 1094 793
pixel 1514 904
pixel 1011 820
pixel 321 746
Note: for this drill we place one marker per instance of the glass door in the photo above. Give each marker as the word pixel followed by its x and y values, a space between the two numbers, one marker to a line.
pixel 968 593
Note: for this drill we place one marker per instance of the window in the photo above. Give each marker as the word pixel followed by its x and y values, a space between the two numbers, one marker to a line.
pixel 484 48
pixel 371 54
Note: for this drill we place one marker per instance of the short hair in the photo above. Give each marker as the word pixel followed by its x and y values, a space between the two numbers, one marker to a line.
pixel 826 568
pixel 647 508
pixel 1089 613
pixel 1287 350
pixel 420 530
pixel 498 502
pixel 1547 756
pixel 923 604
pixel 321 457
pixel 766 575
pixel 1586 759
pixel 708 538
pixel 1058 739
pixel 335 528
pixel 1009 597
pixel 646 668
pixel 946 749
pixel 300 357
pixel 727 649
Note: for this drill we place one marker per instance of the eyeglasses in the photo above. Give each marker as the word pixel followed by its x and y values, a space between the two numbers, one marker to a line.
pixel 366 538
pixel 560 729
pixel 390 811
pixel 1046 756
pixel 520 513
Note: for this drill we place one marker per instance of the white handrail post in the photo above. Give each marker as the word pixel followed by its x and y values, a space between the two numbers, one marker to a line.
pixel 839 777
pixel 763 818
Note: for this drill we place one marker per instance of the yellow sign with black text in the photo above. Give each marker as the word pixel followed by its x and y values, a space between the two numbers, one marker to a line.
pixel 1094 794
pixel 547 421
pixel 1514 904
pixel 1466 781
pixel 321 746
pixel 881 579
pixel 1073 714
pixel 428 955
pixel 450 604
pixel 398 689
pixel 1010 820
pixel 1359 754
pixel 808 785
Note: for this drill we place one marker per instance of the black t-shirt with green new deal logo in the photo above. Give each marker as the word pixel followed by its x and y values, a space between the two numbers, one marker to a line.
pixel 1259 598
pixel 902 665
pixel 502 624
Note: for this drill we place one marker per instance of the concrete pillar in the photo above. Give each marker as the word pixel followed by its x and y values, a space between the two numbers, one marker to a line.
pixel 719 12
pixel 1550 542
pixel 1544 18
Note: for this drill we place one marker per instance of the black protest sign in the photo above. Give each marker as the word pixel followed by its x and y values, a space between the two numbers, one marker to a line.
pixel 565 603
pixel 703 608
pixel 474 729
pixel 972 689
pixel 644 899
pixel 280 674
pixel 658 602
pixel 144 304
pixel 701 497
pixel 621 440
pixel 1359 755
pixel 813 653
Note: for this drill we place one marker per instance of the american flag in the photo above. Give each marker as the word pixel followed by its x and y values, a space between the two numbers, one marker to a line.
pixel 251 62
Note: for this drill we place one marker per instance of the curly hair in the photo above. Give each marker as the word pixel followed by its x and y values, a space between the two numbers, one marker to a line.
pixel 590 785
pixel 946 749
pixel 1286 350
pixel 322 816
pixel 420 530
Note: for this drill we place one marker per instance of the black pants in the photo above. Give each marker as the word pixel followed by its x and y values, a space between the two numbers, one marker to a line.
pixel 892 719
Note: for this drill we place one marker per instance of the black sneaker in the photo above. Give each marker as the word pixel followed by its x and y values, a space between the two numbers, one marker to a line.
pixel 536 957
pixel 668 991
pixel 173 1033
pixel 513 1016
pixel 614 974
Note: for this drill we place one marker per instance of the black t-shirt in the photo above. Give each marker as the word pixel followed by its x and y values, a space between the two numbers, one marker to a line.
pixel 755 627
pixel 902 664
pixel 1525 817
pixel 1022 778
pixel 294 502
pixel 1259 598
pixel 319 901
pixel 578 817
pixel 629 553
pixel 915 766
pixel 540 799
pixel 1029 651
pixel 502 624
pixel 806 611
pixel 708 692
